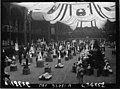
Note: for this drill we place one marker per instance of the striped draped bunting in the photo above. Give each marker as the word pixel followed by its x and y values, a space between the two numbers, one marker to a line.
pixel 87 14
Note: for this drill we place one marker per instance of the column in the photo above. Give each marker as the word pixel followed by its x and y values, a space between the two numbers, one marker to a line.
pixel 56 31
pixel 9 24
pixel 17 32
pixel 29 22
pixel 25 21
pixel 30 31
pixel 49 28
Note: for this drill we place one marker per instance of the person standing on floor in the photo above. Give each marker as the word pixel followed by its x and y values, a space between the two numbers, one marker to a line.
pixel 80 73
pixel 16 48
pixel 20 55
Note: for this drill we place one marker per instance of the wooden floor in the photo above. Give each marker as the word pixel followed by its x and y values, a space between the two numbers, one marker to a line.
pixel 64 75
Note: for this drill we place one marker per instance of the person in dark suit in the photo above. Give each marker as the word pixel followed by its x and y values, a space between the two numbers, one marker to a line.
pixel 11 51
pixel 27 58
pixel 28 47
pixel 20 54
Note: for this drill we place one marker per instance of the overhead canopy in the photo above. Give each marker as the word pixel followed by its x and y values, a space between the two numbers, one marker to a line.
pixel 73 14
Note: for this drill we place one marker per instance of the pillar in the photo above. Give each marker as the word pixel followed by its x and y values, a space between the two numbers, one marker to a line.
pixel 56 31
pixel 29 24
pixel 30 31
pixel 25 21
pixel 17 32
pixel 49 28
pixel 9 24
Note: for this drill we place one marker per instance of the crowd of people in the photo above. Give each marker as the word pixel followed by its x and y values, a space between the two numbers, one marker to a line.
pixel 91 54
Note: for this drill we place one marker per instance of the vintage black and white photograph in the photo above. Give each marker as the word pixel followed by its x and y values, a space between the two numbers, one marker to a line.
pixel 64 44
